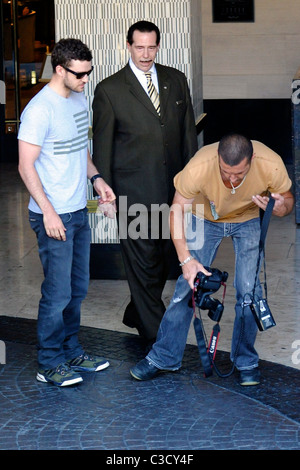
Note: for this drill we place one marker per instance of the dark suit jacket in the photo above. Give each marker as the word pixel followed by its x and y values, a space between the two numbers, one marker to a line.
pixel 137 152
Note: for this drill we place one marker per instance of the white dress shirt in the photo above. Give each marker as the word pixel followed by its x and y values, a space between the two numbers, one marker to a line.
pixel 140 75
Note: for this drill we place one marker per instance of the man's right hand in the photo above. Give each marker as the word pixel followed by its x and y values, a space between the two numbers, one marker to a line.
pixel 54 226
pixel 190 270
pixel 28 154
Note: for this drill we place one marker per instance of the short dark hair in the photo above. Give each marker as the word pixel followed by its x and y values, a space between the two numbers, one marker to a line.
pixel 143 27
pixel 69 49
pixel 233 148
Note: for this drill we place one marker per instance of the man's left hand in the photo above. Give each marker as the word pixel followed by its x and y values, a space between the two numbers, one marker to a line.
pixel 104 190
pixel 283 203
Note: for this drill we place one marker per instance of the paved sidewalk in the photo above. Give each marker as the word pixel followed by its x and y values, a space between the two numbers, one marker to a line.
pixel 111 411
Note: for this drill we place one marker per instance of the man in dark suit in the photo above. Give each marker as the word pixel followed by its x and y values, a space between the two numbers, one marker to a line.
pixel 139 147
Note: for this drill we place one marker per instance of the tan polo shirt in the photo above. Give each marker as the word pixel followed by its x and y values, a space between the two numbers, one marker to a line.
pixel 201 180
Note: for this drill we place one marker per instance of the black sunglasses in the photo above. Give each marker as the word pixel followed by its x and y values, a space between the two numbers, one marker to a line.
pixel 79 75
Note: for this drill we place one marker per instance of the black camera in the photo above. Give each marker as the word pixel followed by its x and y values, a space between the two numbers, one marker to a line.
pixel 207 285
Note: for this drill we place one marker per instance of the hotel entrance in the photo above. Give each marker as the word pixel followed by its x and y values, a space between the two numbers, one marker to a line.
pixel 28 36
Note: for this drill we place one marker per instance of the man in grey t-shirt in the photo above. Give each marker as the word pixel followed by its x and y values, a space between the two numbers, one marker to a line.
pixel 54 164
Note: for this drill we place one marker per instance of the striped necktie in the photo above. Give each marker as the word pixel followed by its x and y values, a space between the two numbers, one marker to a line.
pixel 154 96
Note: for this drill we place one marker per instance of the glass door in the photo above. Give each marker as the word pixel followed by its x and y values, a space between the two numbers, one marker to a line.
pixel 28 35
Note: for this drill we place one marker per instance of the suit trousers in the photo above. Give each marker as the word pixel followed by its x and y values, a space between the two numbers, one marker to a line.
pixel 146 255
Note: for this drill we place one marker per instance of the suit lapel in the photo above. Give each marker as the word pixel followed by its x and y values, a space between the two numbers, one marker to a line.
pixel 164 88
pixel 137 90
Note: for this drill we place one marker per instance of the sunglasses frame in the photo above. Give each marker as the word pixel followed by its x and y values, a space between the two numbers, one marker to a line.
pixel 79 75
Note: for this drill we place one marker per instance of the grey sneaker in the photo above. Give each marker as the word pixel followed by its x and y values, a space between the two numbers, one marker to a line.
pixel 85 362
pixel 62 376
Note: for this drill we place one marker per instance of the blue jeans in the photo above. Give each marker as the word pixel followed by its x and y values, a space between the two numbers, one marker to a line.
pixel 168 350
pixel 65 285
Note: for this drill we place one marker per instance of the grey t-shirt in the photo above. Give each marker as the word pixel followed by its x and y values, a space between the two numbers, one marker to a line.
pixel 60 127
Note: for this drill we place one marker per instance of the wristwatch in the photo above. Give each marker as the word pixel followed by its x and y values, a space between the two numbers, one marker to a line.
pixel 93 178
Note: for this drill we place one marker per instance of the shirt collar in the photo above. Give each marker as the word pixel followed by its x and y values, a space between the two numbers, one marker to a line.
pixel 138 72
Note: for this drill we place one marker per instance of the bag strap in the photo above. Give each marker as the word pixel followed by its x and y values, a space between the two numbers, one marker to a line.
pixel 265 217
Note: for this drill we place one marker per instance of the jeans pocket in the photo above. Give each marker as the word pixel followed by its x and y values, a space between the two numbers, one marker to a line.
pixel 66 218
pixel 34 223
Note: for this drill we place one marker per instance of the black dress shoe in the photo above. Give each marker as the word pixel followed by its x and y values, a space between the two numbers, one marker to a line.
pixel 144 370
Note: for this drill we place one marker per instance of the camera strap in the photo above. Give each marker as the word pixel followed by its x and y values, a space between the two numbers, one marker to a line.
pixel 205 360
pixel 259 306
pixel 265 217
pixel 201 341
pixel 208 351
